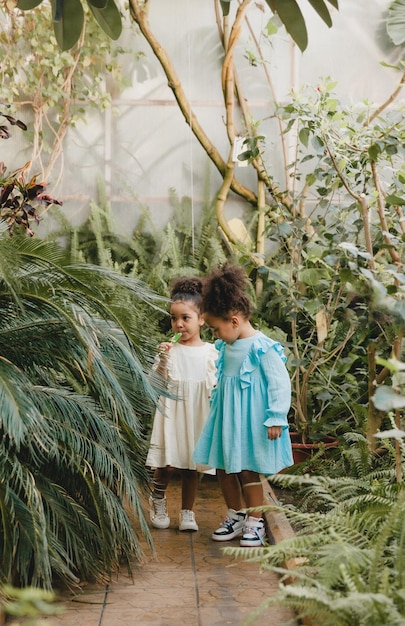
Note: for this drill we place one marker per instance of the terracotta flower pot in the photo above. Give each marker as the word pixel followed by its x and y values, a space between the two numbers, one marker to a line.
pixel 301 451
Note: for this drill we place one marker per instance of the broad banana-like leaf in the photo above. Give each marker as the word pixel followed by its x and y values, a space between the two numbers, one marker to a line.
pixel 68 22
pixel 291 16
pixel 100 4
pixel 108 18
pixel 26 5
pixel 396 22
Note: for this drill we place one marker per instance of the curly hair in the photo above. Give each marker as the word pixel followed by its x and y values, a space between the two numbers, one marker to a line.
pixel 187 289
pixel 224 292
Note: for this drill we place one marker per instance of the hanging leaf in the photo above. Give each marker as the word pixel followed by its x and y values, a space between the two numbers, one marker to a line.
pixel 108 18
pixel 99 4
pixel 27 5
pixel 396 22
pixel 322 10
pixel 293 20
pixel 304 136
pixel 225 4
pixel 395 200
pixel 271 27
pixel 58 11
pixel 69 25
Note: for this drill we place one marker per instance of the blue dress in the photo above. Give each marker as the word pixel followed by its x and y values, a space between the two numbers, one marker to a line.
pixel 252 393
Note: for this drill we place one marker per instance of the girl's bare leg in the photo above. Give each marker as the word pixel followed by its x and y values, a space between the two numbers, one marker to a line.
pixel 252 490
pixel 161 478
pixel 231 490
pixel 189 484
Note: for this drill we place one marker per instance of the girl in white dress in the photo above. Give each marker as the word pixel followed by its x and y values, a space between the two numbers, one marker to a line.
pixel 188 367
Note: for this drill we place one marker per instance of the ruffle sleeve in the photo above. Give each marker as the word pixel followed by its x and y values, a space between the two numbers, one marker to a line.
pixel 260 346
pixel 219 367
pixel 219 363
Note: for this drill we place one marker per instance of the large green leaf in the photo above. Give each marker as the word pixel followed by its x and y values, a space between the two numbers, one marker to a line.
pixel 69 24
pixel 100 4
pixel 396 22
pixel 322 10
pixel 293 20
pixel 108 18
pixel 26 5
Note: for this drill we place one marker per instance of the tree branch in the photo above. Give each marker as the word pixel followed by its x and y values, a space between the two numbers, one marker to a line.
pixel 139 15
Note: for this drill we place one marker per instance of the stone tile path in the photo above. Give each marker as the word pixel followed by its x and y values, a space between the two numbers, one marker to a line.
pixel 190 582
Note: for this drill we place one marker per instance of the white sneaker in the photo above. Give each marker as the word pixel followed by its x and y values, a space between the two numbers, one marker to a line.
pixel 231 527
pixel 187 520
pixel 158 512
pixel 254 533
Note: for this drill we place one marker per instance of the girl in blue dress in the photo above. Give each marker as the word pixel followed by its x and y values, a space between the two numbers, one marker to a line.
pixel 246 432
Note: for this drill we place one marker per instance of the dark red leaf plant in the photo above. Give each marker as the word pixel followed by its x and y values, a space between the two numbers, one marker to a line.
pixel 20 199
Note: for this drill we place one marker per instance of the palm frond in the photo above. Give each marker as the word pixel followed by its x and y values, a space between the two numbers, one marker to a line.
pixel 74 390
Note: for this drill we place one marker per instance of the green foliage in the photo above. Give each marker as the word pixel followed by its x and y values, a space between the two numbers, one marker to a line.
pixel 60 88
pixel 349 546
pixel 108 16
pixel 329 289
pixel 69 18
pixel 29 602
pixel 182 248
pixel 155 256
pixel 73 389
pixel 45 79
pixel 335 242
pixel 292 18
pixel 396 22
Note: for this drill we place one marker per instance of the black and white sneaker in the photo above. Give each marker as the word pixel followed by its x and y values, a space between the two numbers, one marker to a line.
pixel 254 533
pixel 231 527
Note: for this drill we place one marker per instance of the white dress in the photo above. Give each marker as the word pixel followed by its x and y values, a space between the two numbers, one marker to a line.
pixel 178 421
